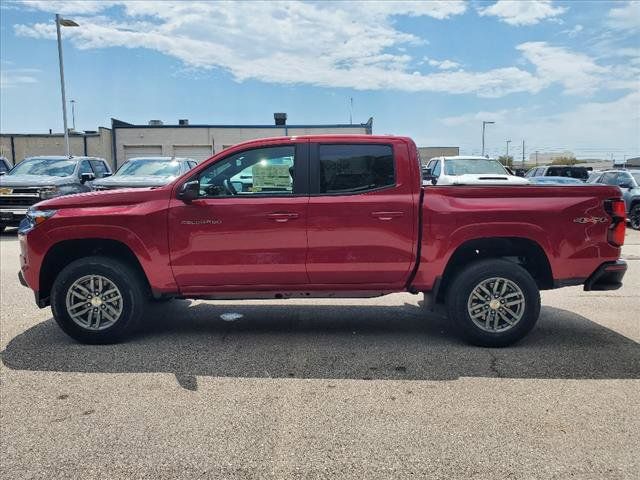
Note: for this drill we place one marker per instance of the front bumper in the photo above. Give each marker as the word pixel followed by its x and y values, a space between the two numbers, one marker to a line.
pixel 607 276
pixel 12 217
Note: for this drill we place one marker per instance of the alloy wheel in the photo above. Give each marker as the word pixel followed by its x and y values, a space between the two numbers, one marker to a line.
pixel 94 302
pixel 496 304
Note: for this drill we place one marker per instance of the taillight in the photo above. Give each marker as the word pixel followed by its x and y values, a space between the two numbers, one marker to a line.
pixel 618 227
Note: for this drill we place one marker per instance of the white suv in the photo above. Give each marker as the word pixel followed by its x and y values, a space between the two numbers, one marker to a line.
pixel 461 170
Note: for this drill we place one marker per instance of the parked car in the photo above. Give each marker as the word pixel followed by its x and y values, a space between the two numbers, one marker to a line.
pixel 5 166
pixel 353 219
pixel 555 181
pixel 146 172
pixel 39 178
pixel 462 170
pixel 571 171
pixel 629 182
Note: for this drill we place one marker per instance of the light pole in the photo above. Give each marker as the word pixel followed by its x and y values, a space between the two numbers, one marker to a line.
pixel 484 123
pixel 73 113
pixel 63 22
pixel 508 142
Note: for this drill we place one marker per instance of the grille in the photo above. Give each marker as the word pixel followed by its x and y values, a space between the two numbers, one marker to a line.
pixel 7 201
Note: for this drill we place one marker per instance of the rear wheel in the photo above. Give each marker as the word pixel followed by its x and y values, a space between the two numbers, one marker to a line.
pixel 634 217
pixel 98 299
pixel 493 303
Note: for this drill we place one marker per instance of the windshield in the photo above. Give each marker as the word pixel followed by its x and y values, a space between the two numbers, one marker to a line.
pixel 45 166
pixel 464 166
pixel 153 168
pixel 636 177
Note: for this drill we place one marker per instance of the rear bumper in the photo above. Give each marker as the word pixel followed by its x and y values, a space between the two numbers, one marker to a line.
pixel 607 276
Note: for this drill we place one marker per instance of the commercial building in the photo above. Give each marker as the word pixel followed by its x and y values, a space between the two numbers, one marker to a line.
pixel 126 140
pixel 16 146
pixel 427 153
pixel 201 141
pixel 544 158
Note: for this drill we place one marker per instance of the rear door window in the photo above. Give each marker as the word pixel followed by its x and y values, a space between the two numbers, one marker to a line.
pixel 355 168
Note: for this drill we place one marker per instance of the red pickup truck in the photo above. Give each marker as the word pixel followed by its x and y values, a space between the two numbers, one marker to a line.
pixel 320 216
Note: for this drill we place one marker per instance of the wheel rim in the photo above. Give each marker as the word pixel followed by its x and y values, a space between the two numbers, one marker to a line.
pixel 94 302
pixel 496 305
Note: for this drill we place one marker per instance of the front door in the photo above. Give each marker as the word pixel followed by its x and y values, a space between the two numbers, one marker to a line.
pixel 248 227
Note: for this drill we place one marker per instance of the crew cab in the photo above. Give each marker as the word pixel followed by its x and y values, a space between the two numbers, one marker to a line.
pixel 38 178
pixel 324 216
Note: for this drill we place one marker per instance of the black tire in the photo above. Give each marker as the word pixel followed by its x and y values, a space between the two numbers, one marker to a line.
pixel 130 284
pixel 460 290
pixel 634 217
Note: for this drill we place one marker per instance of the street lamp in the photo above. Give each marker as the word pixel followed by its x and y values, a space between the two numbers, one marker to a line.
pixel 484 123
pixel 63 22
pixel 508 142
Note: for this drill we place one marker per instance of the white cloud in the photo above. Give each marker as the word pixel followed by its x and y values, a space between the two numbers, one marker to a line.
pixel 578 73
pixel 13 77
pixel 442 64
pixel 626 17
pixel 573 32
pixel 518 12
pixel 331 44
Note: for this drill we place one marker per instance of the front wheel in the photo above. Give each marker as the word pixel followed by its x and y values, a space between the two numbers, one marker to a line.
pixel 98 299
pixel 493 303
pixel 634 217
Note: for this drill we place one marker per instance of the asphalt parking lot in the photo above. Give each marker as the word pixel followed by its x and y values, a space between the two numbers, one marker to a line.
pixel 322 389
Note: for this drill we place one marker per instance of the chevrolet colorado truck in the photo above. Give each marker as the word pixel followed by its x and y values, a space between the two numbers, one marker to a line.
pixel 320 216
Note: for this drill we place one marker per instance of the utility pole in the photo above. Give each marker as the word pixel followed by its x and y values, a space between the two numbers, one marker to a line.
pixel 536 158
pixel 523 152
pixel 508 142
pixel 350 110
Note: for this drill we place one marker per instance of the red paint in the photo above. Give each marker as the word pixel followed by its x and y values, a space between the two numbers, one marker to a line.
pixel 325 243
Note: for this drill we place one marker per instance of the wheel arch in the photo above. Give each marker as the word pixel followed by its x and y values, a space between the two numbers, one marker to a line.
pixel 523 251
pixel 66 251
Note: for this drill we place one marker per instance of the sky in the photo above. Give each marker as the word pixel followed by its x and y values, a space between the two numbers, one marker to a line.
pixel 559 75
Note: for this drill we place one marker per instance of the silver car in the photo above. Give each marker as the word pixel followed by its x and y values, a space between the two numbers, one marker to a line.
pixel 144 172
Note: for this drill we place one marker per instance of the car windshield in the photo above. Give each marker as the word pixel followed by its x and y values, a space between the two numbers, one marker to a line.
pixel 45 166
pixel 464 166
pixel 636 177
pixel 153 168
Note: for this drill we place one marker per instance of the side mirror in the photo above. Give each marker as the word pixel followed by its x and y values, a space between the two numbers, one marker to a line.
pixel 87 177
pixel 189 191
pixel 625 185
pixel 427 176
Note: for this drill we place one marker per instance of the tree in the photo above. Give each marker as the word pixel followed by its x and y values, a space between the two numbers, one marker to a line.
pixel 506 160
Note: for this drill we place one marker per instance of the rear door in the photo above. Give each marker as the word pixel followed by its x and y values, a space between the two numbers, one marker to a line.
pixel 248 227
pixel 361 216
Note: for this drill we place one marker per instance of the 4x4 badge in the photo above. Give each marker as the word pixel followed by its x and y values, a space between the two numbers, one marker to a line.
pixel 593 220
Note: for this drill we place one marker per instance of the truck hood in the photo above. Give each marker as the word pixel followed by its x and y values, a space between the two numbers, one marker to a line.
pixel 34 180
pixel 105 198
pixel 487 179
pixel 124 181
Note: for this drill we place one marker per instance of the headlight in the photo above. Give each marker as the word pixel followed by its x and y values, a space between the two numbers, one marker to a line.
pixel 33 219
pixel 49 192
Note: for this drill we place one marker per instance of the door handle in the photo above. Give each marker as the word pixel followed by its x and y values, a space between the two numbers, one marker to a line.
pixel 386 215
pixel 282 217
